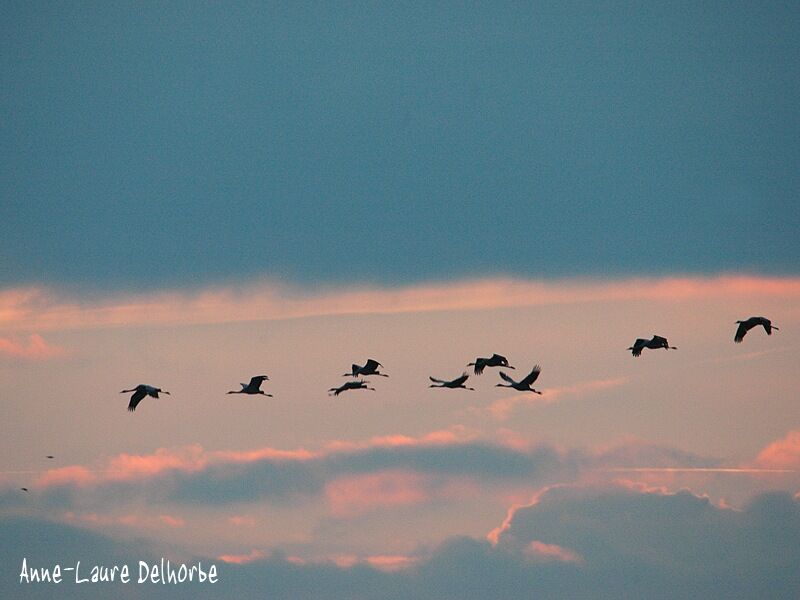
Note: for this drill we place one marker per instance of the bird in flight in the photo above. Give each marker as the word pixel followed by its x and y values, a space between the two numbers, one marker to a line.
pixel 494 361
pixel 458 382
pixel 656 342
pixel 49 456
pixel 254 387
pixel 524 385
pixel 745 326
pixel 24 489
pixel 370 368
pixel 139 392
pixel 361 384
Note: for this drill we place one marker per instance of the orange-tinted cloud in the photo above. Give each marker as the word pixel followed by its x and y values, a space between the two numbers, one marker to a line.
pixel 242 559
pixel 35 348
pixel 391 563
pixel 349 496
pixel 42 309
pixel 540 552
pixel 781 454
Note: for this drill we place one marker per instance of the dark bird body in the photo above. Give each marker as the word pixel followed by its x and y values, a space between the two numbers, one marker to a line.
pixel 458 382
pixel 24 489
pixel 526 384
pixel 254 387
pixel 139 392
pixel 656 342
pixel 361 384
pixel 745 326
pixel 370 368
pixel 494 361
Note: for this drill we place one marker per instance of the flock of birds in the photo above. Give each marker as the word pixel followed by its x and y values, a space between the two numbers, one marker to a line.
pixel 370 368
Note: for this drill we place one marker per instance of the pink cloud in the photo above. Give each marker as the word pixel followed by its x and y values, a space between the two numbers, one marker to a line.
pixel 540 552
pixel 241 559
pixel 134 466
pixel 781 454
pixel 135 520
pixel 391 563
pixel 36 348
pixel 171 521
pixel 349 496
pixel 41 309
pixel 242 521
pixel 71 475
pixel 344 561
pixel 494 535
pixel 454 435
pixel 190 459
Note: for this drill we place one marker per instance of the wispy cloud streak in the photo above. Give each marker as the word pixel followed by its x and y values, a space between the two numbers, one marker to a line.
pixel 41 309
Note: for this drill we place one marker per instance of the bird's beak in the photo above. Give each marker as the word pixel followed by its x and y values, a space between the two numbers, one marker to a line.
pixel 509 367
pixel 166 392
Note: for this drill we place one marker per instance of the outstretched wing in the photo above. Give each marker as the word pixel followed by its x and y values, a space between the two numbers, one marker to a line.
pixel 507 378
pixel 372 365
pixel 741 331
pixel 255 382
pixel 480 365
pixel 434 380
pixel 532 376
pixel 638 346
pixel 135 399
pixel 460 380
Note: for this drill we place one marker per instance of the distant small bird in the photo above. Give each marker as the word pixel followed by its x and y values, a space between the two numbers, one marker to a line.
pixel 745 326
pixel 525 384
pixel 371 368
pixel 655 343
pixel 140 391
pixel 458 382
pixel 24 489
pixel 494 361
pixel 254 387
pixel 361 384
pixel 49 456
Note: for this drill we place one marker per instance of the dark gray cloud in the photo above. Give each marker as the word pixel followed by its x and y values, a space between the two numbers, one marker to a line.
pixel 632 544
pixel 281 480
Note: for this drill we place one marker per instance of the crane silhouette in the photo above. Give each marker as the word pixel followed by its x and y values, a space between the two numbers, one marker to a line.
pixel 254 387
pixel 370 368
pixel 493 361
pixel 745 326
pixel 525 385
pixel 458 382
pixel 139 392
pixel 656 342
pixel 361 384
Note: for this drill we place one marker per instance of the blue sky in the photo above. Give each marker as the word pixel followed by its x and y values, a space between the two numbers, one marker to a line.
pixel 194 193
pixel 188 142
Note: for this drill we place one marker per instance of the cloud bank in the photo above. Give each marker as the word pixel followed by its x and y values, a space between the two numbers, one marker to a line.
pixel 41 309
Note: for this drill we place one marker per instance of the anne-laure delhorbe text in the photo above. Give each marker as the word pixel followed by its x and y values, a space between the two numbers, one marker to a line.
pixel 159 572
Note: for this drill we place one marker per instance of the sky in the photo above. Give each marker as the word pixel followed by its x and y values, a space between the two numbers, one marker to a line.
pixel 196 193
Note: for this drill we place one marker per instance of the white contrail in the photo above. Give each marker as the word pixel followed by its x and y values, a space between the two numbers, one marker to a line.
pixel 694 470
